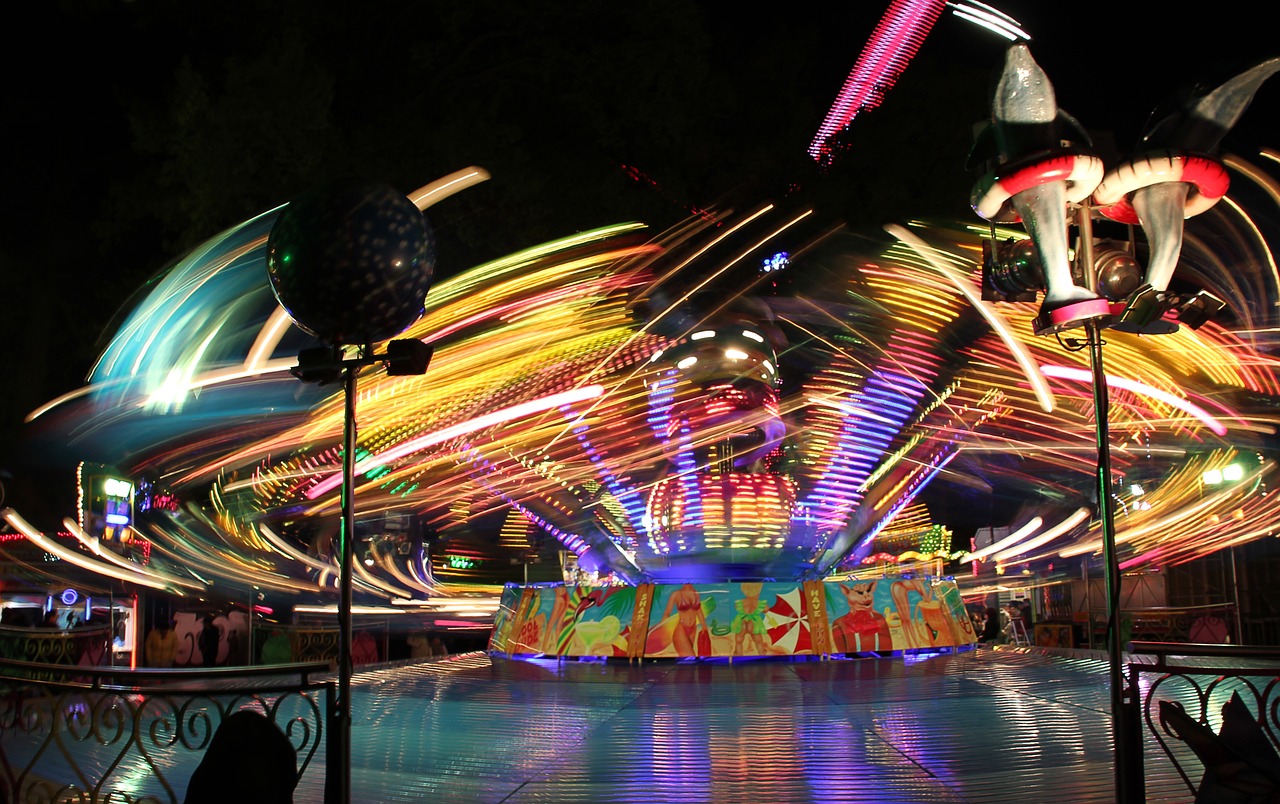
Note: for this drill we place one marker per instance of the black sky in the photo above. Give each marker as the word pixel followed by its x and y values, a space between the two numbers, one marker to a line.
pixel 112 171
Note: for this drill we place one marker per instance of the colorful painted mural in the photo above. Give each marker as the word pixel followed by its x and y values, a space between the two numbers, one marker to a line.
pixel 726 620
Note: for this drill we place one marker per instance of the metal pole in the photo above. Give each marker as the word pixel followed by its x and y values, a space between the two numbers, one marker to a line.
pixel 1120 734
pixel 1101 403
pixel 1235 589
pixel 253 594
pixel 1088 599
pixel 111 630
pixel 347 535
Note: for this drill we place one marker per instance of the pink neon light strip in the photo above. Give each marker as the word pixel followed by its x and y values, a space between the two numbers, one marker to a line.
pixel 894 42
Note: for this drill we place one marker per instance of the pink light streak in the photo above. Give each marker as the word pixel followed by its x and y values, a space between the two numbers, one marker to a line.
pixel 894 42
pixel 463 428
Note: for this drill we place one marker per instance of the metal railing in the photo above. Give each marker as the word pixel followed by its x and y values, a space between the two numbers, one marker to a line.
pixel 298 643
pixel 317 642
pixel 1157 624
pixel 94 735
pixel 84 645
pixel 1174 712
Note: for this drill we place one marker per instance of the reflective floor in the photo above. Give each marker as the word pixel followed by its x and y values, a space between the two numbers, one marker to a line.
pixel 977 726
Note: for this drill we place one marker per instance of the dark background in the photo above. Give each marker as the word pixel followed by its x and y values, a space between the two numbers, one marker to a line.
pixel 136 130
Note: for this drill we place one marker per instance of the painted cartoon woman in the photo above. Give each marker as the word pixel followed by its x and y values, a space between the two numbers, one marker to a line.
pixel 552 643
pixel 691 622
pixel 748 623
pixel 922 624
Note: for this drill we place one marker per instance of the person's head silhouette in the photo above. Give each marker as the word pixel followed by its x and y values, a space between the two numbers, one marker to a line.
pixel 223 776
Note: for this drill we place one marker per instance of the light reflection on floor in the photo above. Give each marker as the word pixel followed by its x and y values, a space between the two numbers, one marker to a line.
pixel 974 726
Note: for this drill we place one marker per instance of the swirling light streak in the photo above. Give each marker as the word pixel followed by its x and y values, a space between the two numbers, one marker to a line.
pixel 323 568
pixel 459 606
pixel 992 19
pixel 385 562
pixel 1163 524
pixel 388 590
pixel 260 568
pixel 94 546
pixel 477 283
pixel 1211 534
pixel 1072 521
pixel 215 563
pixel 701 251
pixel 182 287
pixel 1271 187
pixel 966 287
pixel 1029 527
pixel 497 417
pixel 1162 517
pixel 553 318
pixel 434 192
pixel 51 547
pixel 420 569
pixel 354 609
pixel 903 495
pixel 1126 384
pixel 186 282
pixel 705 249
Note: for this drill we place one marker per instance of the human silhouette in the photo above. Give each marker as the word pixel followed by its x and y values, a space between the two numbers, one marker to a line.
pixel 161 645
pixel 419 646
pixel 235 649
pixel 210 637
pixel 991 626
pixel 223 774
pixel 277 649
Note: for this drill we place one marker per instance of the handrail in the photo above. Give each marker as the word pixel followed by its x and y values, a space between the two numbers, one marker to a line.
pixel 178 674
pixel 1171 609
pixel 1163 650
pixel 99 732
pixel 1195 690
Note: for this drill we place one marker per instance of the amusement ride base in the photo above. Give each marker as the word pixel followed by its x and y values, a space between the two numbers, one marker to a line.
pixel 728 620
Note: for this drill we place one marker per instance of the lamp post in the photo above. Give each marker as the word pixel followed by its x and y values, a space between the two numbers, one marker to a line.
pixel 1121 730
pixel 1041 166
pixel 1041 169
pixel 351 262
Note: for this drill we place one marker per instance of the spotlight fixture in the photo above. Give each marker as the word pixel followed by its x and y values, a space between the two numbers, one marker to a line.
pixel 408 357
pixel 1195 310
pixel 322 365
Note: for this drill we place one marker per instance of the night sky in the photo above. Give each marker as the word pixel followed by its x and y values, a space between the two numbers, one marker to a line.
pixel 138 129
